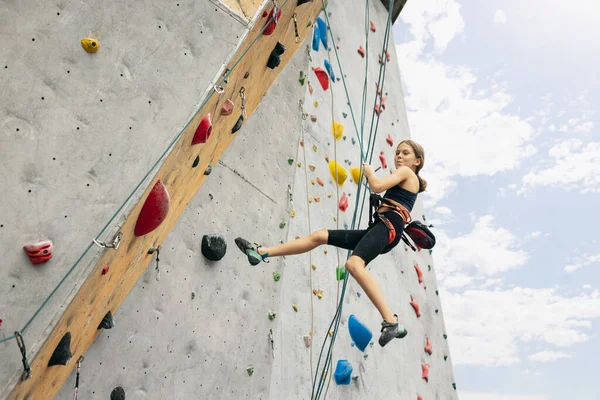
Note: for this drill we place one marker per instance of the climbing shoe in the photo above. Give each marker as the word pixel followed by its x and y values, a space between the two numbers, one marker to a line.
pixel 248 249
pixel 390 331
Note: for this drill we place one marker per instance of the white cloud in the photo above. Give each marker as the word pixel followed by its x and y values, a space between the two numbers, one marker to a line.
pixel 582 262
pixel 500 17
pixel 486 249
pixel 575 166
pixel 486 327
pixel 444 107
pixel 500 396
pixel 548 356
pixel 443 210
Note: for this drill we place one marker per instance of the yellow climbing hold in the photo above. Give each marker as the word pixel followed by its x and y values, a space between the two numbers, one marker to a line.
pixel 90 45
pixel 315 148
pixel 293 213
pixel 312 181
pixel 338 172
pixel 312 167
pixel 355 171
pixel 331 333
pixel 299 164
pixel 335 219
pixel 325 251
pixel 329 195
pixel 318 293
pixel 310 198
pixel 337 130
pixel 314 266
pixel 316 104
pixel 295 307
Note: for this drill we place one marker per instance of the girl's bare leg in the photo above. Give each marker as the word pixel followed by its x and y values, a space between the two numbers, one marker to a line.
pixel 297 246
pixel 356 266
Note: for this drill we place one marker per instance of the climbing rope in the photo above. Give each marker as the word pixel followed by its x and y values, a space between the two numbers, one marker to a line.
pixel 217 89
pixel 337 317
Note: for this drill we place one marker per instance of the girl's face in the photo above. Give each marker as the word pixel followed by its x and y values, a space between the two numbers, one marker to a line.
pixel 405 156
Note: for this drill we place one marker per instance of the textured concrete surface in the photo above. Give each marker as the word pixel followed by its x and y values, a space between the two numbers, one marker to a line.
pixel 70 159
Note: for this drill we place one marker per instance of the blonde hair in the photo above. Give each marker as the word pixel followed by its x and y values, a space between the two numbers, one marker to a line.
pixel 420 154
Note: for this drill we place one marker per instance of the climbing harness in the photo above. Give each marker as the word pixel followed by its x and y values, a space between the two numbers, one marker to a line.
pixel 376 201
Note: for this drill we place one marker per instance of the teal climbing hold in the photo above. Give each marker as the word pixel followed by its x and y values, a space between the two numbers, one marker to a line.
pixel 445 336
pixel 445 358
pixel 360 334
pixel 345 115
pixel 437 293
pixel 454 385
pixel 429 267
pixel 343 372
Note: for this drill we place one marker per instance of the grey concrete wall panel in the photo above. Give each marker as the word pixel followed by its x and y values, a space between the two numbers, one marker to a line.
pixel 195 331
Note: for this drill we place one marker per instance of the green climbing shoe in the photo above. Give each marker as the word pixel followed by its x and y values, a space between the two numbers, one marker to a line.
pixel 390 331
pixel 248 249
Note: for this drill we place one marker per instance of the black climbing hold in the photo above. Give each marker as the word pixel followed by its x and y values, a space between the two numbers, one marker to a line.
pixel 214 246
pixel 208 170
pixel 279 48
pixel 107 322
pixel 62 353
pixel 246 75
pixel 274 59
pixel 196 161
pixel 300 2
pixel 238 124
pixel 118 393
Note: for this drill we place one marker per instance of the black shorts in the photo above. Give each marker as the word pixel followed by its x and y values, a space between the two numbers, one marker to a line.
pixel 368 243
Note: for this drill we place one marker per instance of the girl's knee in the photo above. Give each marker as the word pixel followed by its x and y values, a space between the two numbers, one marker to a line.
pixel 354 264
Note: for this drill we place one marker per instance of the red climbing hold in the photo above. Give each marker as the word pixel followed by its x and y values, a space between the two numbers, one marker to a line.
pixel 383 103
pixel 425 375
pixel 378 89
pixel 40 252
pixel 361 51
pixel 322 77
pixel 390 140
pixel 419 397
pixel 227 108
pixel 105 270
pixel 428 348
pixel 419 273
pixel 383 161
pixel 377 110
pixel 343 202
pixel 372 26
pixel 154 210
pixel 203 131
pixel 415 305
pixel 272 24
pixel 387 56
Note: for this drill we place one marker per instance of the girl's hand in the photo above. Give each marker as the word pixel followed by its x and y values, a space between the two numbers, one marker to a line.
pixel 367 170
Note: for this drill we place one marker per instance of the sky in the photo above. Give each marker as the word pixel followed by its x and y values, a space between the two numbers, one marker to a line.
pixel 503 96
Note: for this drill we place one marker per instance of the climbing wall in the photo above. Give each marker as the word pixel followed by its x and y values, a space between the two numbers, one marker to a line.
pixel 81 130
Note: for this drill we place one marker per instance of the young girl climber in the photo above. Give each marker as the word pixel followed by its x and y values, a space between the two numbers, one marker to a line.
pixel 401 189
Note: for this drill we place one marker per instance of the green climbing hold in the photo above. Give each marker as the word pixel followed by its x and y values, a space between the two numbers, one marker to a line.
pixel 276 276
pixel 424 219
pixel 345 115
pixel 430 252
pixel 272 315
pixel 290 161
pixel 437 293
pixel 445 336
pixel 302 78
pixel 282 225
pixel 250 371
pixel 340 273
pixel 429 267
pixel 454 385
pixel 436 310
pixel 445 358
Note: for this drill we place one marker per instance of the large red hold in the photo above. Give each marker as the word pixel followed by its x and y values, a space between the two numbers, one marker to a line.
pixel 154 210
pixel 322 77
pixel 425 374
pixel 390 140
pixel 40 252
pixel 383 160
pixel 272 24
pixel 415 305
pixel 203 131
pixel 419 273
pixel 428 347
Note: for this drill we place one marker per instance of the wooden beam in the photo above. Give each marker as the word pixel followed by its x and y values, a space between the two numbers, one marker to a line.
pixel 102 293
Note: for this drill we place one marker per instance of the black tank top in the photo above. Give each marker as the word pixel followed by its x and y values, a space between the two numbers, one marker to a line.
pixel 402 196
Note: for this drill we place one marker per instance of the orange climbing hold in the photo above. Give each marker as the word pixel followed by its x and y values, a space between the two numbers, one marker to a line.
pixel 317 199
pixel 155 209
pixel 387 56
pixel 372 26
pixel 419 273
pixel 390 140
pixel 378 88
pixel 320 182
pixel 425 374
pixel 383 160
pixel 227 108
pixel 40 252
pixel 361 51
pixel 203 131
pixel 343 205
pixel 415 305
pixel 322 77
pixel 419 397
pixel 383 103
pixel 272 24
pixel 428 348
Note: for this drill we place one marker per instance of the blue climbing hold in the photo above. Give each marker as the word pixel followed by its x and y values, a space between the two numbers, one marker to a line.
pixel 343 372
pixel 329 70
pixel 360 334
pixel 316 38
pixel 322 31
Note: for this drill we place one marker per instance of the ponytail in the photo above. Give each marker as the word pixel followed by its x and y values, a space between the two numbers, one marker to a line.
pixel 422 184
